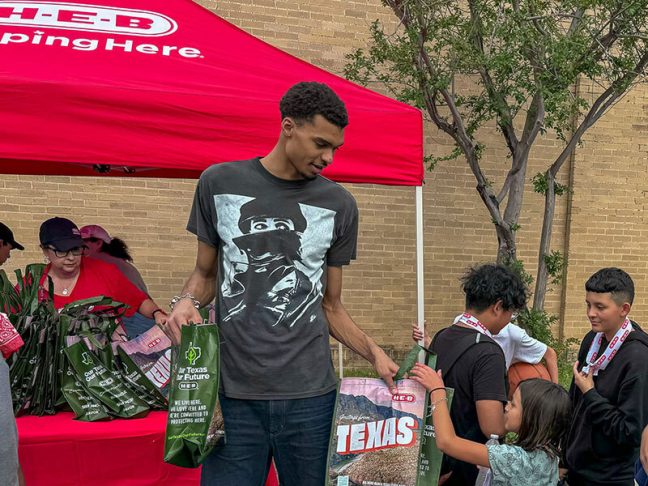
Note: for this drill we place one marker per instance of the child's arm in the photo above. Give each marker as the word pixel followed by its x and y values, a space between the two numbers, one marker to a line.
pixel 446 439
pixel 551 360
pixel 417 335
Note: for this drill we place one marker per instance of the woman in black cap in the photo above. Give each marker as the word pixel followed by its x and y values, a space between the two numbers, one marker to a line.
pixel 76 277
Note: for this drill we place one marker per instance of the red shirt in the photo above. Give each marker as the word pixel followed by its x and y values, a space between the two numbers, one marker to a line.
pixel 100 278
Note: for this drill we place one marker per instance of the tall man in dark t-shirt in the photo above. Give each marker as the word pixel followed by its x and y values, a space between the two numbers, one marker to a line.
pixel 473 363
pixel 273 236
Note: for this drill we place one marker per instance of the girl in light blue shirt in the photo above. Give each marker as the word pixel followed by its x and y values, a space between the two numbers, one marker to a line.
pixel 539 414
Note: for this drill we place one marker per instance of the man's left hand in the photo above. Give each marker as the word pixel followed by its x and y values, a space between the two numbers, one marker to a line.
pixel 584 382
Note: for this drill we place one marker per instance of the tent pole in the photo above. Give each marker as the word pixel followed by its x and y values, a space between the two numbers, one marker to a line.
pixel 420 265
pixel 420 280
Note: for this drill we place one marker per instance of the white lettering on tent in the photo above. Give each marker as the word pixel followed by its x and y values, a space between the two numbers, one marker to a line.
pixel 39 37
pixel 371 436
pixel 92 18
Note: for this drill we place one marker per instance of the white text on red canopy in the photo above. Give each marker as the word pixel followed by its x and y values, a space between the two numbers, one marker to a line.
pixel 90 18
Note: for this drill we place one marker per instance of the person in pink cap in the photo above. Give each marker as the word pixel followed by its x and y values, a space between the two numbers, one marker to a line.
pixel 101 246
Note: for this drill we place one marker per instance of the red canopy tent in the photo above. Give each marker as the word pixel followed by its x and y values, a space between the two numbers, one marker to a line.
pixel 164 89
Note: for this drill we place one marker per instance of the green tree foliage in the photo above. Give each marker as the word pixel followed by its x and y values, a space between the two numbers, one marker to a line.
pixel 518 64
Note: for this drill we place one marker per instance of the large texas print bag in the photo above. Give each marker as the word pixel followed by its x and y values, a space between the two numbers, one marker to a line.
pixel 376 437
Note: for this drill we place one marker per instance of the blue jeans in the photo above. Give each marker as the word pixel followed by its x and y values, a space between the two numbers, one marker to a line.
pixel 293 432
pixel 641 478
pixel 137 324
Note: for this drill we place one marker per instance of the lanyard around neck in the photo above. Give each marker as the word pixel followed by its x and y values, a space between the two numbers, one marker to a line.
pixel 610 351
pixel 472 321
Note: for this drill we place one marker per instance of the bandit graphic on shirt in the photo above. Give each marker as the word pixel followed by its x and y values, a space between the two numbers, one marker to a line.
pixel 273 259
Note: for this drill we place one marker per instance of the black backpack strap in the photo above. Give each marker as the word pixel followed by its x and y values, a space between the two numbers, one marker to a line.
pixel 463 345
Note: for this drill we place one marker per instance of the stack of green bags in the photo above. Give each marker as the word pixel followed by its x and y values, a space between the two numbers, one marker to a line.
pixel 69 359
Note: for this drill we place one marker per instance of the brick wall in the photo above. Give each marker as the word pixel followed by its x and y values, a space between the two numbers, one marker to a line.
pixel 601 223
pixel 608 223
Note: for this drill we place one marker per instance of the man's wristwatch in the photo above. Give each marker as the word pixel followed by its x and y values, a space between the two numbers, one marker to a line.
pixel 178 298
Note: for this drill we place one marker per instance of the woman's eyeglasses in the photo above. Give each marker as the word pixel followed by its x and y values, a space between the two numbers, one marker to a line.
pixel 62 254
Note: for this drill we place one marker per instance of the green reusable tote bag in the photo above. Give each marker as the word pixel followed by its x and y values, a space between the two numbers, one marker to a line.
pixel 431 456
pixel 193 396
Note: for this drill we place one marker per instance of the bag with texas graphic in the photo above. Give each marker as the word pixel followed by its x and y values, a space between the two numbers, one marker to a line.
pixel 381 439
pixel 195 422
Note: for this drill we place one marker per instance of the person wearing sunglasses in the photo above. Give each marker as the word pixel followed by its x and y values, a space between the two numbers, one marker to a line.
pixel 76 277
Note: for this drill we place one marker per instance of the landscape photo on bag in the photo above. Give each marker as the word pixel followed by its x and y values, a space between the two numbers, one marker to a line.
pixel 151 353
pixel 376 436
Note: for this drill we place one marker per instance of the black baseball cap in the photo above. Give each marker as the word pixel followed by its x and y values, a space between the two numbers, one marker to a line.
pixel 60 233
pixel 7 236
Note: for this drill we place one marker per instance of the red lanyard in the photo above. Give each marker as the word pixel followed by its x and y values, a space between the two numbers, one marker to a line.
pixel 612 348
pixel 473 322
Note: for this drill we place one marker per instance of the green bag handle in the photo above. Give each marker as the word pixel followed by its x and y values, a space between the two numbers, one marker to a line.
pixel 99 300
pixel 411 359
pixel 91 337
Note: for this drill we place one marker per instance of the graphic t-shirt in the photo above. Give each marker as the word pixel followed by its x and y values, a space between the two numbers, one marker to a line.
pixel 275 239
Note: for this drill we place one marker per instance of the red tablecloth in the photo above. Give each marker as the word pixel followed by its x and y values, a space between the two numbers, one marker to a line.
pixel 59 451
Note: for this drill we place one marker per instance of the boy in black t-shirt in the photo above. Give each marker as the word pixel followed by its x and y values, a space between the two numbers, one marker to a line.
pixel 473 363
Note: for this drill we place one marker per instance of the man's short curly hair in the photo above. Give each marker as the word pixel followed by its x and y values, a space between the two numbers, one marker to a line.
pixel 486 284
pixel 306 99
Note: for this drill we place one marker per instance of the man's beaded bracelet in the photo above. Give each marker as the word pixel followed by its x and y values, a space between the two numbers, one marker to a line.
pixel 178 298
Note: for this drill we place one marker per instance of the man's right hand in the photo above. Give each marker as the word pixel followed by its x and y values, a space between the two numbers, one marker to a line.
pixel 183 313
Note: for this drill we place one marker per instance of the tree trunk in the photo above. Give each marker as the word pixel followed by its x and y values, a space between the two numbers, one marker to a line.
pixel 506 232
pixel 507 249
pixel 545 242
